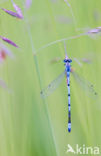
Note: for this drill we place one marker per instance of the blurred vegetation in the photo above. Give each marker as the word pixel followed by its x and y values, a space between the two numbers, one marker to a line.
pixel 29 125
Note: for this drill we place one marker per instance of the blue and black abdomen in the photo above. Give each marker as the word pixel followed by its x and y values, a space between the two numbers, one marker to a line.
pixel 68 70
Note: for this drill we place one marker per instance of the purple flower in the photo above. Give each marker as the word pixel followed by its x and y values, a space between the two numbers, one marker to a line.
pixel 28 3
pixel 95 30
pixel 17 14
pixel 18 10
pixel 9 41
pixel 14 14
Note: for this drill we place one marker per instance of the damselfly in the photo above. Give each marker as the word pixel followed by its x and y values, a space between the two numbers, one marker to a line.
pixel 55 83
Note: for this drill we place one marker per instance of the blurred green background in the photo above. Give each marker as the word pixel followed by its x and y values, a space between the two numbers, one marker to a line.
pixel 29 125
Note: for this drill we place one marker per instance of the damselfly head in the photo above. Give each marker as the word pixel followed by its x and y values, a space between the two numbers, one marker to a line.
pixel 67 60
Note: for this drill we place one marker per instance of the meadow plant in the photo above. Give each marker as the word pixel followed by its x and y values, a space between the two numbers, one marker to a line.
pixel 32 131
pixel 9 41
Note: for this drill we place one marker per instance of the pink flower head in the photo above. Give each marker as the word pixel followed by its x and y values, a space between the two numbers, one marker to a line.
pixel 9 41
pixel 4 52
pixel 2 56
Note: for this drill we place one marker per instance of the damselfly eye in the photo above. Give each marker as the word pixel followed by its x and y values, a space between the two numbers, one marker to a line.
pixel 67 60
